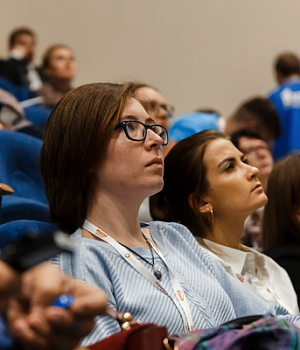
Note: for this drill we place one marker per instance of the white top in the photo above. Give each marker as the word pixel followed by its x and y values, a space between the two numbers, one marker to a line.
pixel 258 272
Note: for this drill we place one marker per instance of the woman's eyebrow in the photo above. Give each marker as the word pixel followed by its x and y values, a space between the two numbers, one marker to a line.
pixel 132 117
pixel 129 117
pixel 231 159
pixel 150 121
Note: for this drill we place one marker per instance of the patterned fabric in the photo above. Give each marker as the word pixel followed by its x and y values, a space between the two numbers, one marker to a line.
pixel 264 334
pixel 213 295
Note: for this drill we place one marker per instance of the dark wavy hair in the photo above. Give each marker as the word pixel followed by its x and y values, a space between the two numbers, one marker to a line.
pixel 185 184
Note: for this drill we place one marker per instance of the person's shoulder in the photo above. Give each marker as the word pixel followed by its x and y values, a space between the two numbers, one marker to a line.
pixel 170 227
pixel 270 263
pixel 171 234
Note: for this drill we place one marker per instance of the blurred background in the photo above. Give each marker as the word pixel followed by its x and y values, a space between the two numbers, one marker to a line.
pixel 198 53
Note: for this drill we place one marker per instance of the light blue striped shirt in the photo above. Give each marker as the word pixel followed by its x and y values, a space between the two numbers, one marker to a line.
pixel 214 296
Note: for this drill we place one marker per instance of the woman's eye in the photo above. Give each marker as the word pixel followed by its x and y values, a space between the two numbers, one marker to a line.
pixel 130 126
pixel 245 160
pixel 229 167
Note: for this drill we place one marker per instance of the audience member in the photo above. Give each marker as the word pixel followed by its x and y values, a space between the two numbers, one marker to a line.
pixel 189 124
pixel 12 116
pixel 33 322
pixel 281 222
pixel 162 112
pixel 286 99
pixel 19 68
pixel 58 69
pixel 259 115
pixel 213 193
pixel 102 155
pixel 258 155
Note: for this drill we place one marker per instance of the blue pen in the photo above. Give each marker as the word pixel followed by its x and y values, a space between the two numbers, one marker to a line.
pixel 64 301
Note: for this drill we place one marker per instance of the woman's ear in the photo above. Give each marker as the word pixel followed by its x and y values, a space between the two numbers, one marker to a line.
pixel 202 207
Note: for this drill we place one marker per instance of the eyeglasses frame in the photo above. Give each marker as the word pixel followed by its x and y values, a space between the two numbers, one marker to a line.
pixel 123 123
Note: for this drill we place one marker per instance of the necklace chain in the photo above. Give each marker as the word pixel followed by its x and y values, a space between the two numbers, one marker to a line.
pixel 156 273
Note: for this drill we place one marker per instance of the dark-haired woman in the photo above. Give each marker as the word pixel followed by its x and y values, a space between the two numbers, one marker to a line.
pixel 102 155
pixel 211 189
pixel 281 224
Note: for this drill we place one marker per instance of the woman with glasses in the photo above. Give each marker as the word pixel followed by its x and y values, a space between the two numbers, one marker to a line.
pixel 214 193
pixel 102 155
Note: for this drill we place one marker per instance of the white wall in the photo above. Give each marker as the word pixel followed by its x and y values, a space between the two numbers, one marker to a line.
pixel 199 53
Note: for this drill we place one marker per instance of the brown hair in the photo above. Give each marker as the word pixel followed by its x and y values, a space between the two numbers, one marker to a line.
pixel 17 32
pixel 287 64
pixel 76 138
pixel 281 226
pixel 185 184
pixel 48 53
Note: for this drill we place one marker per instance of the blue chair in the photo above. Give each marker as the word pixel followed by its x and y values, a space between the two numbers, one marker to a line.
pixel 13 230
pixel 21 93
pixel 37 115
pixel 19 159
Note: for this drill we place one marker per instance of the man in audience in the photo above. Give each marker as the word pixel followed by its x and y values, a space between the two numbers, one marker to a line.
pixel 162 110
pixel 257 114
pixel 258 155
pixel 286 98
pixel 162 114
pixel 18 68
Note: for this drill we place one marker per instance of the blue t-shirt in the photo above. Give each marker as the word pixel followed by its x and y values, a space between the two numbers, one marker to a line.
pixel 189 124
pixel 286 99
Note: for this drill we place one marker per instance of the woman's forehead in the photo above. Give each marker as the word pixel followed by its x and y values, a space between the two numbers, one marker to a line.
pixel 219 149
pixel 135 111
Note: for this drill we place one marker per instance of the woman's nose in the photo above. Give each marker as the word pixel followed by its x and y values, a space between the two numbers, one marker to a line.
pixel 252 172
pixel 153 138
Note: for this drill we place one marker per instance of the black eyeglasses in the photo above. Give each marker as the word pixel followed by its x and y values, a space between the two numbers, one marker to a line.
pixel 137 131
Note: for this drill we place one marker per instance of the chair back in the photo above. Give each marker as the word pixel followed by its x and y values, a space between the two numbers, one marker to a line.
pixel 19 165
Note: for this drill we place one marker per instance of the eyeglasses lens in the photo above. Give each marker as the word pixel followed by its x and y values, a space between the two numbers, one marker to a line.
pixel 138 131
pixel 135 130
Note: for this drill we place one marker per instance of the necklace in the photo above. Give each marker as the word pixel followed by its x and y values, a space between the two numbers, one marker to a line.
pixel 156 273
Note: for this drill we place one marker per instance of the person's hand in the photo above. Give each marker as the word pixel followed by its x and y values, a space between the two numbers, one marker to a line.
pixel 10 282
pixel 36 324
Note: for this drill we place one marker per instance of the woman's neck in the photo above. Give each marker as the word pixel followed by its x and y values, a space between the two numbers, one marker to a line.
pixel 61 85
pixel 227 233
pixel 118 220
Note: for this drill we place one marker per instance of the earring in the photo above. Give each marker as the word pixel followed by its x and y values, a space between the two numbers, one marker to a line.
pixel 211 218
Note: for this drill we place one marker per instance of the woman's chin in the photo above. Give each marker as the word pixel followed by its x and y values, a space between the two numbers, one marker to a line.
pixel 263 200
pixel 155 188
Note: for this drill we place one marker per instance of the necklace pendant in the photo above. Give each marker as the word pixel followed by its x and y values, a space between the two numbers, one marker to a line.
pixel 157 274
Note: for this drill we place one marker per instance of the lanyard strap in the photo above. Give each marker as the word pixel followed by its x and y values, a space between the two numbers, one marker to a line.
pixel 269 289
pixel 180 300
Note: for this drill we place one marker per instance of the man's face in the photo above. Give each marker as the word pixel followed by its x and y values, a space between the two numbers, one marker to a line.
pixel 158 103
pixel 258 155
pixel 26 44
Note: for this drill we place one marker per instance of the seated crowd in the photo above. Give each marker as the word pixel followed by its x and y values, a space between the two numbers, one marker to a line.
pixel 172 233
